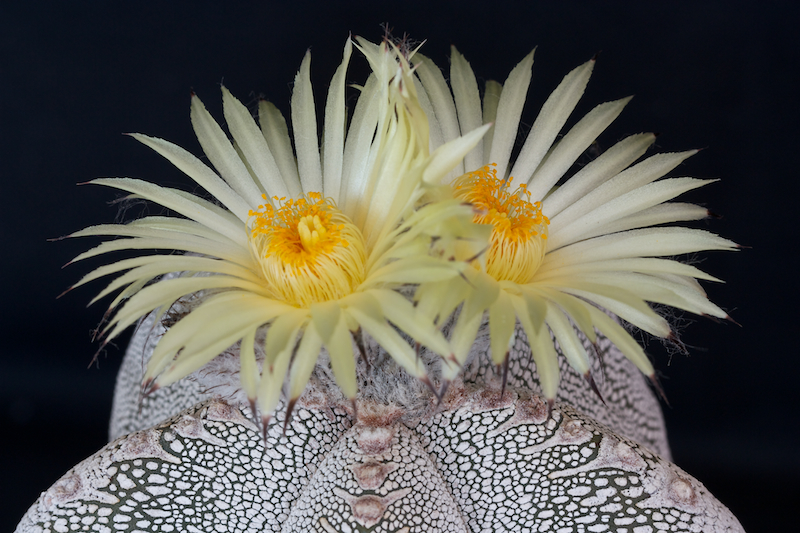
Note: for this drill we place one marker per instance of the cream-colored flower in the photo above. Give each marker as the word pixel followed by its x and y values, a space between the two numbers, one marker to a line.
pixel 307 245
pixel 562 251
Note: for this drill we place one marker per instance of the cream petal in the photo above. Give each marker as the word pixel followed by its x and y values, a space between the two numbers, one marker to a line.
pixel 623 303
pixel 509 111
pixel 658 214
pixel 468 104
pixel 334 129
pixel 607 165
pixel 304 123
pixel 251 142
pixel 359 151
pixel 441 100
pixel 401 312
pixel 645 265
pixel 548 124
pixel 564 333
pixel 249 373
pixel 187 243
pixel 632 178
pixel 221 154
pixel 304 361
pixel 622 340
pixel 648 242
pixel 594 222
pixel 491 100
pixel 189 206
pixel 276 133
pixel 569 149
pixel 199 172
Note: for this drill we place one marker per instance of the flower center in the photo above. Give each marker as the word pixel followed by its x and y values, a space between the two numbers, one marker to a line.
pixel 519 237
pixel 309 251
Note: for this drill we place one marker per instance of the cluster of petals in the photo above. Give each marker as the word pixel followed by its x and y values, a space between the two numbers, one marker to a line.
pixel 609 245
pixel 303 249
pixel 366 189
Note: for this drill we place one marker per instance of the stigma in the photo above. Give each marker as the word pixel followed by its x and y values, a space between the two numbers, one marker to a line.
pixel 519 234
pixel 308 250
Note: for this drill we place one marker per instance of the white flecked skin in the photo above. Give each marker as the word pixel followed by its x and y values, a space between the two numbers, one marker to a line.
pixel 481 464
pixel 475 463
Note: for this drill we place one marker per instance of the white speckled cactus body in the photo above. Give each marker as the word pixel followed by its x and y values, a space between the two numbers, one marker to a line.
pixel 186 461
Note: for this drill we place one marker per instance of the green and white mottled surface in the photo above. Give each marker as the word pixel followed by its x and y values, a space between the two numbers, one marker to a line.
pixel 475 463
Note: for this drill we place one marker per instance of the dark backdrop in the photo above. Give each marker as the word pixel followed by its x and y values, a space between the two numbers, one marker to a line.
pixel 709 75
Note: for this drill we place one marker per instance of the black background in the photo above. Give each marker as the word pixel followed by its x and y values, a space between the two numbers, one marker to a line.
pixel 713 75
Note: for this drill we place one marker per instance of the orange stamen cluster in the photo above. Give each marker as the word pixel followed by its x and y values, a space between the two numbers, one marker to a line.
pixel 309 251
pixel 519 236
pixel 300 230
pixel 511 214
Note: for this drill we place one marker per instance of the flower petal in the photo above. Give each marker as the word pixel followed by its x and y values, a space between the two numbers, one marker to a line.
pixel 594 222
pixel 645 265
pixel 251 142
pixel 542 349
pixel 564 154
pixel 491 100
pixel 502 321
pixel 509 111
pixel 221 154
pixel 654 242
pixel 607 165
pixel 570 345
pixel 632 178
pixel 442 101
pixel 304 361
pixel 366 310
pixel 622 340
pixel 402 313
pixel 334 129
pixel 548 124
pixel 189 206
pixel 200 173
pixel 304 122
pixel 276 133
pixel 468 104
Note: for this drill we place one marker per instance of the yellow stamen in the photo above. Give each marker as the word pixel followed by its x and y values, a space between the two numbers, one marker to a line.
pixel 308 250
pixel 519 237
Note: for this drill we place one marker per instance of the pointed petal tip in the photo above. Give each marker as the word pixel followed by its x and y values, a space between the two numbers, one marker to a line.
pixel 550 403
pixel 354 407
pixel 149 386
pixel 253 411
pixel 596 55
pixel 657 386
pixel 289 409
pixel 66 291
pixel 56 239
pixel 730 319
pixel 590 379
pixel 443 390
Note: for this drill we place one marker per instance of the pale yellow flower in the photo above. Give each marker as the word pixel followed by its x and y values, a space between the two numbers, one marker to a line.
pixel 561 251
pixel 308 245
